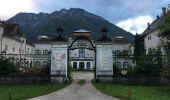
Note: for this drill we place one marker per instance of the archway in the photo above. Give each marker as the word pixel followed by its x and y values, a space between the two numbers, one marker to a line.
pixel 83 45
pixel 75 65
pixel 81 66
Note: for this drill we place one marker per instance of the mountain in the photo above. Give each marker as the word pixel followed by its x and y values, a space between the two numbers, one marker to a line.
pixel 73 19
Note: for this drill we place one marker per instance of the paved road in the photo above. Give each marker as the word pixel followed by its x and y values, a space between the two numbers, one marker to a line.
pixel 76 91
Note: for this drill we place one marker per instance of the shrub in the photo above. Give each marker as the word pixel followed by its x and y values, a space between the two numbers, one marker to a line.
pixel 7 67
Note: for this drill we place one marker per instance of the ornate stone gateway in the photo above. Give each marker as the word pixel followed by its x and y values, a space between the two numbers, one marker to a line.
pixel 82 43
pixel 62 51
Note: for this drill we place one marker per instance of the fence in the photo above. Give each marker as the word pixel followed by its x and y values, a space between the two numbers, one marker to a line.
pixel 28 60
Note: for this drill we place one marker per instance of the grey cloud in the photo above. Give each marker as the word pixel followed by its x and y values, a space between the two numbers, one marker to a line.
pixel 112 10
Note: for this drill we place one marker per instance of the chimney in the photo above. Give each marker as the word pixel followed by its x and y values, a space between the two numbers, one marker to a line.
pixel 164 11
pixel 148 26
pixel 157 16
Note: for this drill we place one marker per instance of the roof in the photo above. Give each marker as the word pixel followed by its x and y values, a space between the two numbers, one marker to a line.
pixel 104 39
pixel 154 25
pixel 120 40
pixel 12 30
pixel 43 39
pixel 81 31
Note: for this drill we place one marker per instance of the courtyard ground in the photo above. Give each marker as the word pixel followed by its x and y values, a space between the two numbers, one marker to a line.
pixel 80 89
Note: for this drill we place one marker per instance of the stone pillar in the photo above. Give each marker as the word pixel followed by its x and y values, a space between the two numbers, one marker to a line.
pixel 104 61
pixel 85 65
pixel 59 62
pixel 78 65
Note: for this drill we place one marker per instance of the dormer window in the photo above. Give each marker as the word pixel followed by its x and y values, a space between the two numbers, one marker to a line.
pixel 149 37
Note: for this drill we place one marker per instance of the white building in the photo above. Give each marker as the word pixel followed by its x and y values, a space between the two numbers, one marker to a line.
pixel 15 46
pixel 122 50
pixel 13 43
pixel 151 39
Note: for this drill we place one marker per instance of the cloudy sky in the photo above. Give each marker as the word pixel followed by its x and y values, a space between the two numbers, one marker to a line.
pixel 131 15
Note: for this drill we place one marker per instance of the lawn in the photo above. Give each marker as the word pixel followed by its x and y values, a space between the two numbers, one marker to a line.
pixel 131 92
pixel 23 92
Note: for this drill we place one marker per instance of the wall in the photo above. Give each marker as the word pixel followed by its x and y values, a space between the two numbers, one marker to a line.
pixel 104 59
pixel 151 40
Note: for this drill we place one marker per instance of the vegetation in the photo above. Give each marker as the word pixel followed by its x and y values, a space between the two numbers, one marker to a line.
pixel 130 92
pixel 81 82
pixel 6 67
pixel 150 64
pixel 165 33
pixel 23 92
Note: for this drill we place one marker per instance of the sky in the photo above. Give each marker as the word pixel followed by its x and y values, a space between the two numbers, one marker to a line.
pixel 131 15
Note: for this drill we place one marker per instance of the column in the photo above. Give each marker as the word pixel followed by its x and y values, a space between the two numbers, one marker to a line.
pixel 78 65
pixel 85 65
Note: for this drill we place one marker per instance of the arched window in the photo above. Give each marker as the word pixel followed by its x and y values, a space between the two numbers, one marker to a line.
pixel 125 65
pixel 37 64
pixel 88 65
pixel 45 52
pixel 125 52
pixel 75 65
pixel 37 52
pixel 118 64
pixel 81 65
pixel 117 52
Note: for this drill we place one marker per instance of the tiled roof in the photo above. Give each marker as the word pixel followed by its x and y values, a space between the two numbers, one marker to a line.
pixel 12 30
pixel 154 25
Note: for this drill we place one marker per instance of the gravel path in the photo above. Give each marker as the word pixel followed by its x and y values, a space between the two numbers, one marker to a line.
pixel 76 91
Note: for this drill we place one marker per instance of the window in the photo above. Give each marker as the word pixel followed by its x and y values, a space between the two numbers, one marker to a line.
pixel 22 51
pixel 149 37
pixel 125 52
pixel 125 65
pixel 13 49
pixel 19 50
pixel 37 52
pixel 6 47
pixel 45 63
pixel 45 52
pixel 81 53
pixel 27 50
pixel 117 52
pixel 88 65
pixel 37 64
pixel 75 65
pixel 118 64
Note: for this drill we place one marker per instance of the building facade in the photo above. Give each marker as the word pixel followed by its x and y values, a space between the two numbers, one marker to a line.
pixel 39 54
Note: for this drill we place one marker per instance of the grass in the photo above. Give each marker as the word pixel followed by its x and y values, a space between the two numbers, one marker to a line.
pixel 131 92
pixel 23 92
pixel 81 82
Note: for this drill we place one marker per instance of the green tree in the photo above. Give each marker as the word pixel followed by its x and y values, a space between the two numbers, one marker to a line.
pixel 7 67
pixel 150 64
pixel 165 33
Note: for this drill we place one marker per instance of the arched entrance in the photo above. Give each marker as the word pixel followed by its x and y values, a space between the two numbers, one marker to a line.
pixel 81 65
pixel 82 44
pixel 75 65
